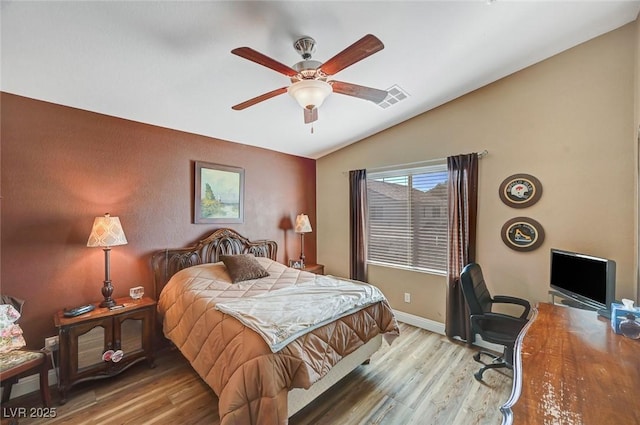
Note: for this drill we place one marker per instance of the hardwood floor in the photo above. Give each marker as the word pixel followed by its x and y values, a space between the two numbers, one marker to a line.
pixel 423 378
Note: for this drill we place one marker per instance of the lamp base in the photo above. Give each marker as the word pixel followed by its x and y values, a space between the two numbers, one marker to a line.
pixel 302 257
pixel 107 290
pixel 106 303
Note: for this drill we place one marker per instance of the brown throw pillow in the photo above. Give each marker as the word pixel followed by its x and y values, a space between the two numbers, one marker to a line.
pixel 243 267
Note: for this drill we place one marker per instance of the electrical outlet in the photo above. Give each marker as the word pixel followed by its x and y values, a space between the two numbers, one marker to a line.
pixel 51 343
pixel 407 297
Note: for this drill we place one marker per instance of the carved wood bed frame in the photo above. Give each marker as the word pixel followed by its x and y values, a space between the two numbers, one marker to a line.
pixel 223 241
pixel 226 241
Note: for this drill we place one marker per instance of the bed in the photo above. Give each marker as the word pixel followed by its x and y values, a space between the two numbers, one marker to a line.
pixel 255 382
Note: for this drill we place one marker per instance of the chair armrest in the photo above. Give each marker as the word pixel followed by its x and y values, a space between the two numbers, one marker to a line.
pixel 505 299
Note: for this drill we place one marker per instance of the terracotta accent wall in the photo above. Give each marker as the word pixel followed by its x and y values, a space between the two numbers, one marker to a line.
pixel 61 167
pixel 568 120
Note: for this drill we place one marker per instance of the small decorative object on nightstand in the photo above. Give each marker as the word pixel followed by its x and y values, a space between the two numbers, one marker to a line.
pixel 295 264
pixel 314 268
pixel 104 341
pixel 136 293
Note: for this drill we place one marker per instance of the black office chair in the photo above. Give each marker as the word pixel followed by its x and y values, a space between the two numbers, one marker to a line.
pixel 493 327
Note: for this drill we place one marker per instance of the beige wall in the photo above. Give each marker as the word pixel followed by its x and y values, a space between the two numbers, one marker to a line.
pixel 569 121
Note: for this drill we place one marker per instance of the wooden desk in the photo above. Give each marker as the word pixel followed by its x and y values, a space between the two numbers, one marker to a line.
pixel 572 369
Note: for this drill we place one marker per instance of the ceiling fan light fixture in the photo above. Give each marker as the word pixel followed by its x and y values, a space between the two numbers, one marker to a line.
pixel 310 93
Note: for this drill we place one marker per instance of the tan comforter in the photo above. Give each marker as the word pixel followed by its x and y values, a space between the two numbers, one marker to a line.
pixel 252 382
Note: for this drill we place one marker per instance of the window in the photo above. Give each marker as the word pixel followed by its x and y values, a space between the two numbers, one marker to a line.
pixel 408 218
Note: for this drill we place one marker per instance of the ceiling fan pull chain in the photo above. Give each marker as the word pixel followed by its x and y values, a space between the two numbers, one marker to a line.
pixel 311 128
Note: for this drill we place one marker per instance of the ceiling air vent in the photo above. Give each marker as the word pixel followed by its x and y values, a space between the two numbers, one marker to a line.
pixel 396 94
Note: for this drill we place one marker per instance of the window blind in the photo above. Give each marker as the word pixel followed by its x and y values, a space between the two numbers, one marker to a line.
pixel 407 218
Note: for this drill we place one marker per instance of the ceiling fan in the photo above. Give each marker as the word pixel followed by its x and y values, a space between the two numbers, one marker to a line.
pixel 309 78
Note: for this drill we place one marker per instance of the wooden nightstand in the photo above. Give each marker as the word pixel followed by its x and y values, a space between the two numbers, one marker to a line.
pixel 85 339
pixel 314 268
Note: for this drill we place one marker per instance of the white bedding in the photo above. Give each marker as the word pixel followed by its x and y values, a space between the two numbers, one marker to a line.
pixel 282 315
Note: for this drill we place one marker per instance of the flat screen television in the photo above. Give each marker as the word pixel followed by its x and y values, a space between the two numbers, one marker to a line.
pixel 589 280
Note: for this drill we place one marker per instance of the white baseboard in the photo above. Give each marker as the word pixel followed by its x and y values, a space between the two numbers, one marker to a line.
pixel 438 327
pixel 420 322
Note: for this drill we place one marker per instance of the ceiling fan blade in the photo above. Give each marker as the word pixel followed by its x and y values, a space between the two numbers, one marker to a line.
pixel 366 46
pixel 367 93
pixel 258 99
pixel 310 115
pixel 259 58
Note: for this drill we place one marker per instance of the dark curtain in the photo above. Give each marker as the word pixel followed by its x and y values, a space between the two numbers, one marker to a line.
pixel 463 207
pixel 358 224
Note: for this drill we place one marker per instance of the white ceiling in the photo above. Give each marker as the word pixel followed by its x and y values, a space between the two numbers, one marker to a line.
pixel 169 63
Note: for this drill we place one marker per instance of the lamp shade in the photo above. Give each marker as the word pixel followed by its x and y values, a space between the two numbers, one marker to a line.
pixel 310 93
pixel 106 231
pixel 302 224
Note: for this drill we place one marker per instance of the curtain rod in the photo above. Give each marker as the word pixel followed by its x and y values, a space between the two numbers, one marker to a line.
pixel 419 163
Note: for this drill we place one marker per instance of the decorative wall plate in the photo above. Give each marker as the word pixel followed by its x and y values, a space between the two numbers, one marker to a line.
pixel 520 190
pixel 522 234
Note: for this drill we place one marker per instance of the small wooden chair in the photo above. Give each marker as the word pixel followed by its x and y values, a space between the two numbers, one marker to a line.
pixel 18 363
pixel 15 361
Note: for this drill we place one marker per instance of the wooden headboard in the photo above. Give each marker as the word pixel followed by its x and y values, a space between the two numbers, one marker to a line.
pixel 168 262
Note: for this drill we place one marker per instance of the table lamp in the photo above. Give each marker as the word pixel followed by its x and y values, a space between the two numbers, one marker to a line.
pixel 302 226
pixel 107 232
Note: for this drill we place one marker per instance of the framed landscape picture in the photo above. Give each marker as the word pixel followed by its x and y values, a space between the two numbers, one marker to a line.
pixel 219 193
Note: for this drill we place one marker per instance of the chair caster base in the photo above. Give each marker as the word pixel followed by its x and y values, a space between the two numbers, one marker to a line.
pixel 494 358
pixel 496 362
